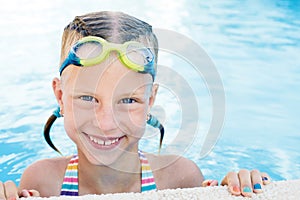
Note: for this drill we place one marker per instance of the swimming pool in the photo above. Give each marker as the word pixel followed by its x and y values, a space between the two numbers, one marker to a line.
pixel 253 44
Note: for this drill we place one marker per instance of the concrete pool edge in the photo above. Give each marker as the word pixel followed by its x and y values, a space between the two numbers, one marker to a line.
pixel 276 190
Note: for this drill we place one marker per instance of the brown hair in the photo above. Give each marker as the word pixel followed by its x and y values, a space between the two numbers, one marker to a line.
pixel 115 27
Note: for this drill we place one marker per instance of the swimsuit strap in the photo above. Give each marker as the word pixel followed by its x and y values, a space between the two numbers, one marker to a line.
pixel 70 182
pixel 147 181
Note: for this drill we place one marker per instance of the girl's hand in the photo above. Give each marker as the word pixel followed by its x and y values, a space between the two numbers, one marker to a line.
pixel 29 193
pixel 207 183
pixel 246 182
pixel 9 191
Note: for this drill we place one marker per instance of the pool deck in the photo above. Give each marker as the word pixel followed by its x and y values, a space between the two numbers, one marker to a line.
pixel 275 190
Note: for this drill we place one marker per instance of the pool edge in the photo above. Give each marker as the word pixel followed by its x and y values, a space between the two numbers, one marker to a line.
pixel 275 190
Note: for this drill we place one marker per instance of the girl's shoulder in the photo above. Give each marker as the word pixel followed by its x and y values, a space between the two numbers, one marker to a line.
pixel 45 176
pixel 174 171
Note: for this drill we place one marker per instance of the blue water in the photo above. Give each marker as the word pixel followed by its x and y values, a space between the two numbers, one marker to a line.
pixel 254 45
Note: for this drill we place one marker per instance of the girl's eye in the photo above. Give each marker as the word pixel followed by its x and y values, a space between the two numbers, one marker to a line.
pixel 128 100
pixel 88 98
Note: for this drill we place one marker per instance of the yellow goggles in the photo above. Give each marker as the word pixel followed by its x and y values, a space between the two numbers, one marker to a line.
pixel 92 50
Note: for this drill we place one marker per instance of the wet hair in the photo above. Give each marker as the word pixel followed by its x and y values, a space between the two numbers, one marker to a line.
pixel 114 27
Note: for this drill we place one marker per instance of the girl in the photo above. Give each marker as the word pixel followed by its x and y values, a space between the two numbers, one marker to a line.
pixel 105 94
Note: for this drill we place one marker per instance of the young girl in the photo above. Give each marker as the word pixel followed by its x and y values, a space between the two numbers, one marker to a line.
pixel 105 93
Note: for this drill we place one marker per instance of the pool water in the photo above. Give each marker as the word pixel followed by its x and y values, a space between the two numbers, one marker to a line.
pixel 255 46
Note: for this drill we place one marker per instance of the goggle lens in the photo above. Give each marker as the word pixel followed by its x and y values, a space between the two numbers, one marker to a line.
pixel 88 50
pixel 139 55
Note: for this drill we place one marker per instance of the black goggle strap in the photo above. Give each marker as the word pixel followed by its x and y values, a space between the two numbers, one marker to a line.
pixel 153 121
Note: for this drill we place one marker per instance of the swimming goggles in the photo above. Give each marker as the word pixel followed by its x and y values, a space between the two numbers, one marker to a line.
pixel 92 50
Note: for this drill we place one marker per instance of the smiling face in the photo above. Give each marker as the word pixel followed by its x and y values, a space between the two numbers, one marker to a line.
pixel 105 108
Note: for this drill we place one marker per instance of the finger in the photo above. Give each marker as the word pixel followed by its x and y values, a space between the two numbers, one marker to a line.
pixel 206 183
pixel 245 182
pixel 225 179
pixel 24 193
pixel 10 190
pixel 2 194
pixel 210 183
pixel 256 181
pixel 34 193
pixel 232 181
pixel 214 183
pixel 29 193
pixel 265 178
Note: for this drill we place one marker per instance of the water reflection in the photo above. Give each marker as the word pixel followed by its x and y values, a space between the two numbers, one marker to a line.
pixel 254 44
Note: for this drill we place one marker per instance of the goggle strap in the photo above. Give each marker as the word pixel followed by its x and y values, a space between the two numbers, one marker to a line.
pixel 71 59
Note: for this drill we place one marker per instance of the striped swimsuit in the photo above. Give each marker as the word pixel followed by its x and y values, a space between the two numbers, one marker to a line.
pixel 70 182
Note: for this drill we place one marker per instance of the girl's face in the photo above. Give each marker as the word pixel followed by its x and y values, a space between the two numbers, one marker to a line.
pixel 105 108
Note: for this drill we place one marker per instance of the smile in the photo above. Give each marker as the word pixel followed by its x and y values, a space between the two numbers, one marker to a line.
pixel 104 142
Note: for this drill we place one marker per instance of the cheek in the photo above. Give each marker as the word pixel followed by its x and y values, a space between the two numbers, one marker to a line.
pixel 74 118
pixel 134 120
pixel 138 119
pixel 70 128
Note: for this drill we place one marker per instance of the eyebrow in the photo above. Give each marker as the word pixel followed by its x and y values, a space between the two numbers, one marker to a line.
pixel 137 92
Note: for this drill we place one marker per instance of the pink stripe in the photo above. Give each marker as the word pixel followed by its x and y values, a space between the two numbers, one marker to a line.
pixel 148 180
pixel 144 161
pixel 72 161
pixel 70 179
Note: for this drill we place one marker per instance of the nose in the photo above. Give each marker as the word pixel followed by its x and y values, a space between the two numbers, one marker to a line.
pixel 105 118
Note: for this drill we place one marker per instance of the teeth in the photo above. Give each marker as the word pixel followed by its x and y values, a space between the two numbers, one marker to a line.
pixel 104 142
pixel 107 142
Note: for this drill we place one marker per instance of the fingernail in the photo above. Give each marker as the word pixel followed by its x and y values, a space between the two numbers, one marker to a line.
pixel 25 193
pixel 247 189
pixel 265 178
pixel 30 193
pixel 236 189
pixel 257 186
